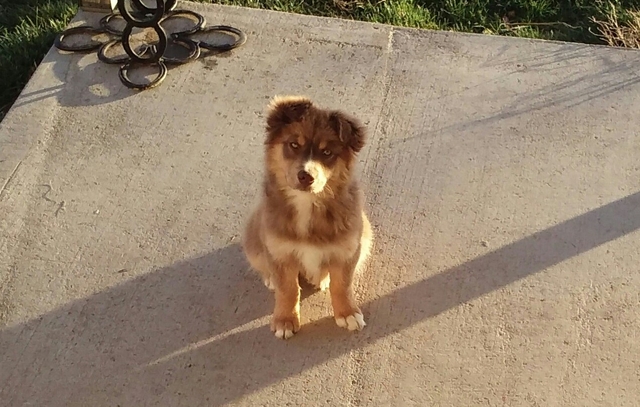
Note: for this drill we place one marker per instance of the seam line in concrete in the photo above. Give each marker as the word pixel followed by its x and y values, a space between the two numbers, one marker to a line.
pixel 10 178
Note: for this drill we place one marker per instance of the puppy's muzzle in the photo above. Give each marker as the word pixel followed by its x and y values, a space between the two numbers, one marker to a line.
pixel 305 179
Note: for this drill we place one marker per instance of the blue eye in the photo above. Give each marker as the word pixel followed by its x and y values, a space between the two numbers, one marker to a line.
pixel 294 145
pixel 327 152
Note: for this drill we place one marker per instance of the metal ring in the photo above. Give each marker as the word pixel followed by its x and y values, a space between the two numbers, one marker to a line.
pixel 108 60
pixel 168 5
pixel 124 76
pixel 199 25
pixel 193 47
pixel 141 6
pixel 78 48
pixel 104 23
pixel 242 38
pixel 158 50
pixel 171 5
pixel 157 14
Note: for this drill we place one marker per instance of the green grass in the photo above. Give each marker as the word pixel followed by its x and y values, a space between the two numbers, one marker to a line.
pixel 563 20
pixel 28 27
pixel 27 31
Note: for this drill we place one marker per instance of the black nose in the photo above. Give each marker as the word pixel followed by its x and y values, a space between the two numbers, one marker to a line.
pixel 305 178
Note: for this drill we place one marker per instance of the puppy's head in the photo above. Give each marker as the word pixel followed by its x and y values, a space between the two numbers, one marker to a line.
pixel 311 149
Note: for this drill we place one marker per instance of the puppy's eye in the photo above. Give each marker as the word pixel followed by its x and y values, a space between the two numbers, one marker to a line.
pixel 294 145
pixel 327 153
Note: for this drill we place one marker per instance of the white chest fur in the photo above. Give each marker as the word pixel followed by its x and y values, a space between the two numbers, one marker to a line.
pixel 304 204
pixel 312 258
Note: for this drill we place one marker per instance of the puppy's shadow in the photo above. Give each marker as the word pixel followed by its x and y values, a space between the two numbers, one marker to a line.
pixel 139 321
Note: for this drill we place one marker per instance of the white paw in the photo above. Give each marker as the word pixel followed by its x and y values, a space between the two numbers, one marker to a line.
pixel 324 284
pixel 269 284
pixel 285 328
pixel 284 333
pixel 352 322
pixel 320 284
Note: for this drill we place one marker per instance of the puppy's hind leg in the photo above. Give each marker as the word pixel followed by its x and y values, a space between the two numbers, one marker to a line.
pixel 256 252
pixel 366 243
pixel 320 280
pixel 325 282
pixel 260 264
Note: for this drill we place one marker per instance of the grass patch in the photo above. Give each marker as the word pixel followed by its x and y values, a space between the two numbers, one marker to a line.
pixel 28 27
pixel 562 20
pixel 27 31
pixel 621 28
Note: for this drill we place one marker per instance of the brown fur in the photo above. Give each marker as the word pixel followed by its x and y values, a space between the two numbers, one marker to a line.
pixel 297 227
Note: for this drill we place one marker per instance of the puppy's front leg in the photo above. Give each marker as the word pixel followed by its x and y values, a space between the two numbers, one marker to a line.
pixel 286 316
pixel 345 311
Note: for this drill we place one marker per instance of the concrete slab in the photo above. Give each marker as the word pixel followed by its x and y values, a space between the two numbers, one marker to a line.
pixel 503 182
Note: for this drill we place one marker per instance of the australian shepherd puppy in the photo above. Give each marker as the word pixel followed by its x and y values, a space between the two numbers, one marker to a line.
pixel 310 221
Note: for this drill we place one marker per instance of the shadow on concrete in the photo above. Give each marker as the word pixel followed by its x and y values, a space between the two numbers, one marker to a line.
pixel 92 83
pixel 582 86
pixel 88 81
pixel 601 77
pixel 177 333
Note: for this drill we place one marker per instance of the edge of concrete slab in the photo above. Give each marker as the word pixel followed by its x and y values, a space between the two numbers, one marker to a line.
pixel 26 121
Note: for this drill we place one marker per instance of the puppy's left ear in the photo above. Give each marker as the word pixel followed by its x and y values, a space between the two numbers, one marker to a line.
pixel 351 132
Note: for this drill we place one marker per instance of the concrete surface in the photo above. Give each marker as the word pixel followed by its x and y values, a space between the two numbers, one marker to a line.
pixel 503 182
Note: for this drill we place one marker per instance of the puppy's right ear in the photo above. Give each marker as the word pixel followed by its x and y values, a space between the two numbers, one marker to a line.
pixel 284 110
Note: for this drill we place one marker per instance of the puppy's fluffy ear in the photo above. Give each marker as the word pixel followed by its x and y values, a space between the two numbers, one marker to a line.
pixel 285 110
pixel 351 132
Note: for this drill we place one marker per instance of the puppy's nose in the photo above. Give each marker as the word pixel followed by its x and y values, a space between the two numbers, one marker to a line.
pixel 305 178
